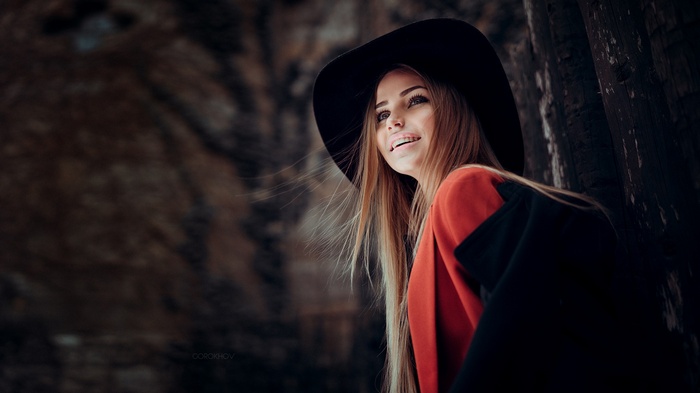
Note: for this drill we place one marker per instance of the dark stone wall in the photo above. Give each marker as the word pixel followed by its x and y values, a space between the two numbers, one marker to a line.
pixel 159 194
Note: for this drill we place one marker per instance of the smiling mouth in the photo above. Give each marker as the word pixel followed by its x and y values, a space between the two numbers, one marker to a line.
pixel 403 141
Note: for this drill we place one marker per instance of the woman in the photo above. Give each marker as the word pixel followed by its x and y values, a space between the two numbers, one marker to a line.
pixel 490 281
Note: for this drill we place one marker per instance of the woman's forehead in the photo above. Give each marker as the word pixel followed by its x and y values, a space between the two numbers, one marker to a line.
pixel 396 81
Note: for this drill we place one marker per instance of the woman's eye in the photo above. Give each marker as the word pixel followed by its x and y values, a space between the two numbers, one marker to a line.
pixel 417 99
pixel 383 115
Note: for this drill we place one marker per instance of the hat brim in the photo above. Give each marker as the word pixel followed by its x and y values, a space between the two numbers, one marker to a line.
pixel 451 49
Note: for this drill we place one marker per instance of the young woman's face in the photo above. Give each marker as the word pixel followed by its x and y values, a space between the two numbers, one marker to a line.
pixel 404 121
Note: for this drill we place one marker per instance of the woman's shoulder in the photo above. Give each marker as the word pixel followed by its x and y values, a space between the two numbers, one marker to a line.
pixel 472 179
pixel 465 199
pixel 473 171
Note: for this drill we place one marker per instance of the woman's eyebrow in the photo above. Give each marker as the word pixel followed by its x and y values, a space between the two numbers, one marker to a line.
pixel 402 94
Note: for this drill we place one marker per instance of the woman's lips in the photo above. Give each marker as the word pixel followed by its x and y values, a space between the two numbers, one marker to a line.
pixel 402 141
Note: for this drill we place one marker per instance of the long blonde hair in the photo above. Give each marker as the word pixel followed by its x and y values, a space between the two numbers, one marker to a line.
pixel 391 209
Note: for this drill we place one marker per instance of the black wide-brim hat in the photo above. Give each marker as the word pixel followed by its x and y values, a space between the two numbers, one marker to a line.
pixel 449 49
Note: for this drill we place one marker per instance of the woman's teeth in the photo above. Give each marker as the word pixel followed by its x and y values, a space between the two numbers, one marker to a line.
pixel 403 141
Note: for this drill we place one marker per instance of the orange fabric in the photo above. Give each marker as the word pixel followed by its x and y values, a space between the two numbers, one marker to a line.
pixel 443 311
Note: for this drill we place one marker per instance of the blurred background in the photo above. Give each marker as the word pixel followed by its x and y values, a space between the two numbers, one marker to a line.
pixel 161 194
pixel 163 186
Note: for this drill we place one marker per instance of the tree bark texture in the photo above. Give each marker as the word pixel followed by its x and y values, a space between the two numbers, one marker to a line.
pixel 615 92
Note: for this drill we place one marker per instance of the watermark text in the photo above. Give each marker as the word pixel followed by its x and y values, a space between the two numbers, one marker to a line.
pixel 212 356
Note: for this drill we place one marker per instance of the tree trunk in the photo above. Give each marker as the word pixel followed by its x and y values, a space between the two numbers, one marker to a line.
pixel 617 97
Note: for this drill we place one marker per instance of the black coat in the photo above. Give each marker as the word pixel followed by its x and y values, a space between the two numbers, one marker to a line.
pixel 549 323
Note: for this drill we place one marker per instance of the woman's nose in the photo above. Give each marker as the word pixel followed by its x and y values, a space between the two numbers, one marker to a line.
pixel 394 122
